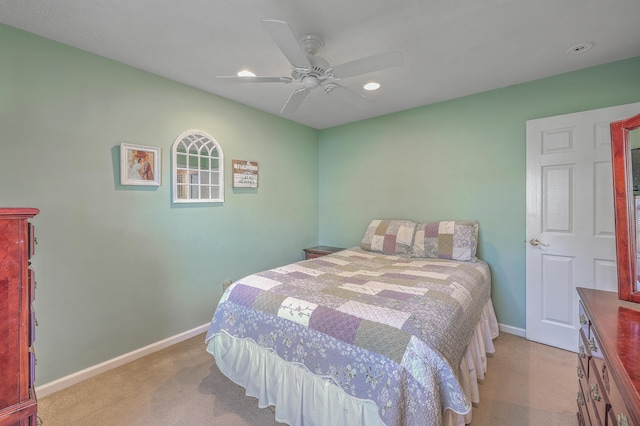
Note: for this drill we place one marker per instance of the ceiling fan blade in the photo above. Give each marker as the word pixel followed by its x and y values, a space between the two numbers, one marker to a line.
pixel 287 42
pixel 257 79
pixel 343 94
pixel 295 100
pixel 367 64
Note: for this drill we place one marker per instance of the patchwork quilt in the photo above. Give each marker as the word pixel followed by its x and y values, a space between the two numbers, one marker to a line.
pixel 386 328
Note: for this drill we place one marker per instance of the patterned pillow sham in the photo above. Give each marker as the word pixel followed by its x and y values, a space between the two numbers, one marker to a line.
pixel 389 236
pixel 456 240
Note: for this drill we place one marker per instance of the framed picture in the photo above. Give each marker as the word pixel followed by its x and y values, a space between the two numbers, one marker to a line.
pixel 245 174
pixel 139 165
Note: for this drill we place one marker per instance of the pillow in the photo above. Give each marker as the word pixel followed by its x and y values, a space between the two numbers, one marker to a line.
pixel 389 236
pixel 456 240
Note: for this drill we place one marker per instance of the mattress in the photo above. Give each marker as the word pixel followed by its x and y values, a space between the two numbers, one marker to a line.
pixel 359 337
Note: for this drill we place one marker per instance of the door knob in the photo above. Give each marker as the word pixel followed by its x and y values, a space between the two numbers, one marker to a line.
pixel 536 242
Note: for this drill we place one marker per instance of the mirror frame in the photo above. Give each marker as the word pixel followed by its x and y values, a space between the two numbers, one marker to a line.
pixel 204 146
pixel 624 208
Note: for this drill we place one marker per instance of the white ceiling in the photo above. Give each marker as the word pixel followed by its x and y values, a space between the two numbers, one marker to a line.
pixel 451 48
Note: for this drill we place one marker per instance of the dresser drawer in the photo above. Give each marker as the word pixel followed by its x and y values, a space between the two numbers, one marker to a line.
pixel 594 346
pixel 583 410
pixel 596 394
pixel 585 324
pixel 32 240
pixel 308 256
pixel 594 390
pixel 581 370
pixel 32 366
pixel 32 285
pixel 32 327
pixel 618 414
pixel 584 353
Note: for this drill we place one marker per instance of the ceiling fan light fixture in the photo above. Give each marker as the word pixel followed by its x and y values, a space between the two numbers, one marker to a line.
pixel 245 73
pixel 313 72
pixel 310 82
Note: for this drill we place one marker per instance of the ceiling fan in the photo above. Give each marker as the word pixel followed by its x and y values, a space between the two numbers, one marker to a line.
pixel 314 71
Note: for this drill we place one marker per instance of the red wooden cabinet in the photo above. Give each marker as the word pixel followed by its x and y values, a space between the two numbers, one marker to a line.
pixel 18 404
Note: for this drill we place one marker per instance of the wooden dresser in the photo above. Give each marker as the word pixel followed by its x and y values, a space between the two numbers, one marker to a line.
pixel 18 405
pixel 608 360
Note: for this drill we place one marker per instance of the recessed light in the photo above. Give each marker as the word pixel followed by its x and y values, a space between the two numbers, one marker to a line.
pixel 372 86
pixel 245 73
pixel 579 48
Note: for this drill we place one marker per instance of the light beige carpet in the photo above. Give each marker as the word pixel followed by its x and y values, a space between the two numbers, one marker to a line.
pixel 526 384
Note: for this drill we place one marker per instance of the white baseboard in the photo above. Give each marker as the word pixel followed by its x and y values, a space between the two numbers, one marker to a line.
pixel 512 330
pixel 72 379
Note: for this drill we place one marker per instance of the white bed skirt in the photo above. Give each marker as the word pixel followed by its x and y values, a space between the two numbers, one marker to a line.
pixel 294 390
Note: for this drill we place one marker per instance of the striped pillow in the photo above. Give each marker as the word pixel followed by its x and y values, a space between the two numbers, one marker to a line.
pixel 456 240
pixel 389 236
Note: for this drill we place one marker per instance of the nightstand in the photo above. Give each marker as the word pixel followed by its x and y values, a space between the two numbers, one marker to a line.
pixel 319 251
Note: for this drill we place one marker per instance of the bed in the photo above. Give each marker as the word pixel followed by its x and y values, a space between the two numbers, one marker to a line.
pixel 392 332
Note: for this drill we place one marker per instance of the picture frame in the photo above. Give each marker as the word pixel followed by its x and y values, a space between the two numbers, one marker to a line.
pixel 245 173
pixel 139 165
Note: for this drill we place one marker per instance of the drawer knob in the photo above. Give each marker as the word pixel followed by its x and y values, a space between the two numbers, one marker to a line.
pixel 583 320
pixel 595 392
pixel 592 345
pixel 581 351
pixel 580 372
pixel 580 398
pixel 622 420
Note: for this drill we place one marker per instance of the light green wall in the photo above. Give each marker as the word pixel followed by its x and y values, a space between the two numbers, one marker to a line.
pixel 462 159
pixel 119 267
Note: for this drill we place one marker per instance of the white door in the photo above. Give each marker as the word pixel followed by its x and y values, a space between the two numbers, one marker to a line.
pixel 570 221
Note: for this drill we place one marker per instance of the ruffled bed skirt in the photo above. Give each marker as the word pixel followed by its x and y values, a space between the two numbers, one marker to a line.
pixel 294 390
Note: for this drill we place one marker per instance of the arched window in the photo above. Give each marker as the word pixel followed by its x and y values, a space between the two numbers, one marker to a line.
pixel 198 169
